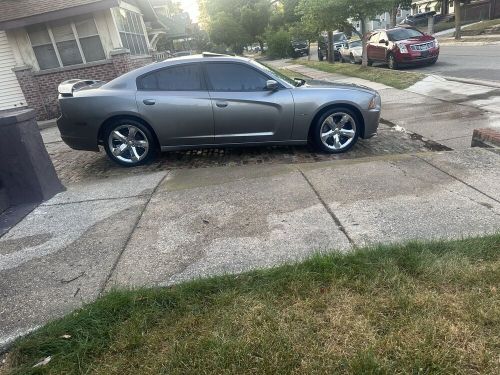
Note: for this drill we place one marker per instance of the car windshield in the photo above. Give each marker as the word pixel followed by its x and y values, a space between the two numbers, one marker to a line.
pixel 277 73
pixel 356 43
pixel 401 34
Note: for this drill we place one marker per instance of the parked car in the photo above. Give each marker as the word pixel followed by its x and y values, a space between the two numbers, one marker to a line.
pixel 339 40
pixel 352 52
pixel 211 100
pixel 300 48
pixel 402 46
pixel 419 19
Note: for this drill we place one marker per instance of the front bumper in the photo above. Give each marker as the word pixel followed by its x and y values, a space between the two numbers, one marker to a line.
pixel 372 118
pixel 417 57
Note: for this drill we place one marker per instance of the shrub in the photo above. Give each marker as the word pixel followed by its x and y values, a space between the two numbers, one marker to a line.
pixel 279 44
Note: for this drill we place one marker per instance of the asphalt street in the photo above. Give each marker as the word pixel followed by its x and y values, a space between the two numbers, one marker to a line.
pixel 481 62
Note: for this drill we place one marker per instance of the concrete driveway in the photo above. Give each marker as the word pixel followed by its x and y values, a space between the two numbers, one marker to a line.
pixel 156 228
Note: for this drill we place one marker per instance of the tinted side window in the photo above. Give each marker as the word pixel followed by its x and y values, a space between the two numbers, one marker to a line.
pixel 235 77
pixel 176 78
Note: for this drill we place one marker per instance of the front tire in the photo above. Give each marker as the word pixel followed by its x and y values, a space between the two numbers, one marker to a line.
pixel 336 131
pixel 391 62
pixel 129 143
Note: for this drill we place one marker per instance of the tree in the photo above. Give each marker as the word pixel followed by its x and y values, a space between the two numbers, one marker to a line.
pixel 235 23
pixel 361 10
pixel 323 15
pixel 458 19
pixel 254 20
pixel 395 5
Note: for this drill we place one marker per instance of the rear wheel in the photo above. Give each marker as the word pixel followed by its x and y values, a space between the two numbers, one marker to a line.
pixel 391 61
pixel 352 60
pixel 370 62
pixel 129 142
pixel 336 131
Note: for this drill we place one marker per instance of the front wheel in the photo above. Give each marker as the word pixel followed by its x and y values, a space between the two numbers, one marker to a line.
pixel 129 143
pixel 336 131
pixel 391 61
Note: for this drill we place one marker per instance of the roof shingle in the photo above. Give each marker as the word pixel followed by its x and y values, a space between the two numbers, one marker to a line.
pixel 16 9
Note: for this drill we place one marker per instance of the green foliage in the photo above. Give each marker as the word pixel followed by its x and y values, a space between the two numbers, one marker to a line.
pixel 279 43
pixel 235 23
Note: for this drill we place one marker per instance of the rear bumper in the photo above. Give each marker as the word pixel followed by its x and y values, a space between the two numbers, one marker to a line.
pixel 77 136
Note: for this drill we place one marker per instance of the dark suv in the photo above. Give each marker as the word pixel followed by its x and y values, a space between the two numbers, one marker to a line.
pixel 339 41
pixel 402 46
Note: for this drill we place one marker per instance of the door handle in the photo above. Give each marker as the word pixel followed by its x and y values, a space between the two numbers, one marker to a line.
pixel 221 104
pixel 149 101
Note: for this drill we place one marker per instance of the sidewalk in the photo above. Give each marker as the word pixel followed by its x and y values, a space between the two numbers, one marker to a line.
pixel 457 107
pixel 158 228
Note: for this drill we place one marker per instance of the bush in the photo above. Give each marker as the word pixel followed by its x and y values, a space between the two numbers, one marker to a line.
pixel 279 44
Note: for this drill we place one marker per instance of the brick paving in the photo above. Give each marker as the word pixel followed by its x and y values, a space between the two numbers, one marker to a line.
pixel 75 166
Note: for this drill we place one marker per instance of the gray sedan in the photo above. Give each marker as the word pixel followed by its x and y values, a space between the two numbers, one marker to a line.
pixel 211 101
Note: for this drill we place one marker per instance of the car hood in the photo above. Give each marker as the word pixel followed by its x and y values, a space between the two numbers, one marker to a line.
pixel 422 39
pixel 315 84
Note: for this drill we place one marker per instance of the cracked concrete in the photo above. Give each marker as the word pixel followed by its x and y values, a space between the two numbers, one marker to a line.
pixel 157 229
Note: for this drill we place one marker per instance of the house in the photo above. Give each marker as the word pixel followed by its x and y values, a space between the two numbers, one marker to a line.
pixel 45 42
pixel 381 21
pixel 472 10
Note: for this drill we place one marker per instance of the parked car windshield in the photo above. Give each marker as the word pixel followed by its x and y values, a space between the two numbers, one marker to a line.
pixel 356 43
pixel 401 34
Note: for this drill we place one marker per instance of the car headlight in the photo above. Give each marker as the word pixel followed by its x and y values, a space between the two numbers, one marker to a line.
pixel 402 48
pixel 375 102
pixel 436 43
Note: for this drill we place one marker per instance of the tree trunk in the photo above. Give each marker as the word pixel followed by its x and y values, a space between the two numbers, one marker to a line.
pixel 394 13
pixel 458 19
pixel 363 32
pixel 331 58
pixel 261 45
pixel 308 50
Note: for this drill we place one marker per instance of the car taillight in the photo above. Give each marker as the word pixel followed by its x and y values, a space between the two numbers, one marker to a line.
pixel 402 48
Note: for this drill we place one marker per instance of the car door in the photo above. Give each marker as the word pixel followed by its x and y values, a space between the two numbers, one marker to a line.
pixel 244 110
pixel 383 42
pixel 175 102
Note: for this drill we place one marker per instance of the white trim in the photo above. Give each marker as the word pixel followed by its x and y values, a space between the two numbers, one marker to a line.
pixel 54 45
pixel 75 33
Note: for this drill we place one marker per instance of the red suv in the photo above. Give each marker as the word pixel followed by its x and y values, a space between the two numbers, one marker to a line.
pixel 402 46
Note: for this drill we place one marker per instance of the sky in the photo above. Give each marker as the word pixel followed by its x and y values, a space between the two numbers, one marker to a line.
pixel 190 6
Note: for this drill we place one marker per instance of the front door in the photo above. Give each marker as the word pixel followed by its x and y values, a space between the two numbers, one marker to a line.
pixel 175 102
pixel 244 110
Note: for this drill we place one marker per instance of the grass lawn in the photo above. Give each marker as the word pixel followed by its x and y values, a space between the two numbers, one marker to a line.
pixel 483 25
pixel 419 308
pixel 394 78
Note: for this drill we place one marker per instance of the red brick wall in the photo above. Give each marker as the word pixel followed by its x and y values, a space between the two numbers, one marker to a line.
pixel 40 88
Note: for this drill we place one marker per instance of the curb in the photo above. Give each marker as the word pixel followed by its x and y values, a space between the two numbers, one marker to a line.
pixel 473 81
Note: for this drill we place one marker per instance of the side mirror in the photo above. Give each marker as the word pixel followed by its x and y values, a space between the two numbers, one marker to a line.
pixel 271 85
pixel 300 81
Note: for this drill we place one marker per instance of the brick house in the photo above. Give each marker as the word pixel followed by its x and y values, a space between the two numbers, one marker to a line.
pixel 45 42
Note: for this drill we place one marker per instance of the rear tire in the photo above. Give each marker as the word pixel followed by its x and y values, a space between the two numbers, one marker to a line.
pixel 336 131
pixel 370 63
pixel 129 143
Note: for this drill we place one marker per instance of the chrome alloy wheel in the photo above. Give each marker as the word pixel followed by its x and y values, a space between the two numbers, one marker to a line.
pixel 338 131
pixel 128 144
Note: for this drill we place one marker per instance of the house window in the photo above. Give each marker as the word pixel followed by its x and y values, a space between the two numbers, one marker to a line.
pixel 65 43
pixel 131 31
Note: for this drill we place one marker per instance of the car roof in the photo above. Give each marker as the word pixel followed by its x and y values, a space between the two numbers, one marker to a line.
pixel 127 80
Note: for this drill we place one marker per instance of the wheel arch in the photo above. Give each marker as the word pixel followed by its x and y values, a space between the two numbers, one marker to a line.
pixel 330 106
pixel 111 119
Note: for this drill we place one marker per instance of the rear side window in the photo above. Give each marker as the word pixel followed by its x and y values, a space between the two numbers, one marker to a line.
pixel 235 77
pixel 374 38
pixel 177 78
